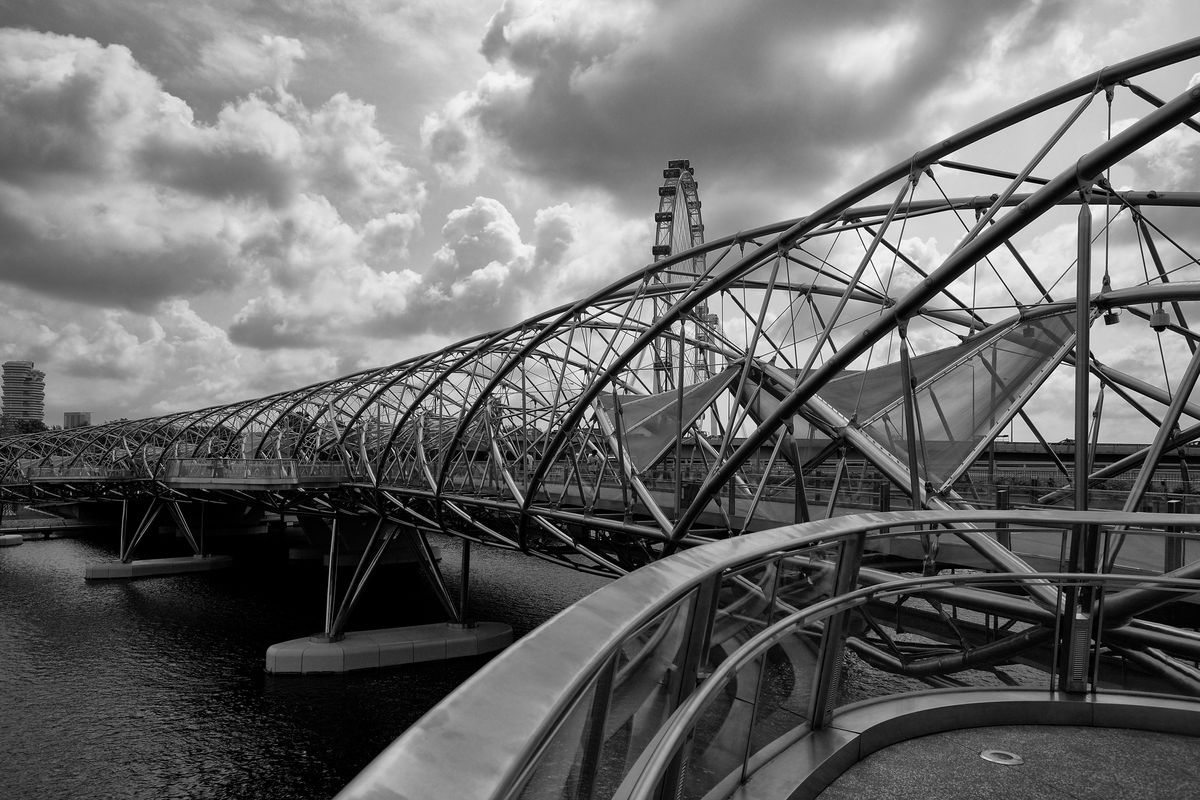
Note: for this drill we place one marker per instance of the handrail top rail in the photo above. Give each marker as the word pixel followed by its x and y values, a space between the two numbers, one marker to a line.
pixel 544 672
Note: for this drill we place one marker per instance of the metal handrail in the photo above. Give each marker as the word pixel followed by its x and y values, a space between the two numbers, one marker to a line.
pixel 505 715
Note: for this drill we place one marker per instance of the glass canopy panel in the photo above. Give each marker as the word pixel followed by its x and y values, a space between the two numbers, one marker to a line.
pixel 648 425
pixel 963 392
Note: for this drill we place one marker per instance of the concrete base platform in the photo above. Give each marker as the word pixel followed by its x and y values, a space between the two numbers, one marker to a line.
pixel 1058 763
pixel 149 567
pixel 11 540
pixel 386 647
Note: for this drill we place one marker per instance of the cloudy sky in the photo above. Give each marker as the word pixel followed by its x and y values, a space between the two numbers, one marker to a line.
pixel 204 202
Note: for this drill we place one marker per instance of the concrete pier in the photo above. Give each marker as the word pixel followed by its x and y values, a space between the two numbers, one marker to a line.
pixel 149 567
pixel 386 647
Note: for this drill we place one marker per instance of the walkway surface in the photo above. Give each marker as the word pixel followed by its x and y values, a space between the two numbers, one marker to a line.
pixel 1059 762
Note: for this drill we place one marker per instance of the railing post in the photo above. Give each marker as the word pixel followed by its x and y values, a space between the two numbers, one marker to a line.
pixel 1173 545
pixel 1003 536
pixel 829 658
pixel 464 587
pixel 885 500
pixel 593 737
pixel 704 612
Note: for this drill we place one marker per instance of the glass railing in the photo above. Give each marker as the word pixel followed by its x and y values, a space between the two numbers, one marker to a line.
pixel 325 470
pixel 229 468
pixel 687 677
pixel 270 469
pixel 79 472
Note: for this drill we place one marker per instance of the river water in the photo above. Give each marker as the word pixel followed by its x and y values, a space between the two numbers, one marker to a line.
pixel 155 688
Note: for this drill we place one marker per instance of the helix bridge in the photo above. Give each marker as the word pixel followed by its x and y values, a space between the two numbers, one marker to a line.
pixel 775 436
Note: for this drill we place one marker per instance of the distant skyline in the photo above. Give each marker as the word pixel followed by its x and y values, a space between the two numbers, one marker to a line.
pixel 201 203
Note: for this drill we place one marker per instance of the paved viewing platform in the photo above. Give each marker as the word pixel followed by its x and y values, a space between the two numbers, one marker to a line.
pixel 1066 762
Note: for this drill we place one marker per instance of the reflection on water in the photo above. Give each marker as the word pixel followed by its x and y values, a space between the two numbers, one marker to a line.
pixel 154 688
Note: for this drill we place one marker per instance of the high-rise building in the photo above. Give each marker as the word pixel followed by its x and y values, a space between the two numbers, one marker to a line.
pixel 24 391
pixel 76 419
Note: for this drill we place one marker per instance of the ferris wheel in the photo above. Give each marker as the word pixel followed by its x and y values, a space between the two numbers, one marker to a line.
pixel 683 358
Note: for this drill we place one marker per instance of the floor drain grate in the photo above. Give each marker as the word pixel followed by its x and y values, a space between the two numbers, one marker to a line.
pixel 1002 757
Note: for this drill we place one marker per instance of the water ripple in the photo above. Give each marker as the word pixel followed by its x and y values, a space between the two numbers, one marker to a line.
pixel 154 688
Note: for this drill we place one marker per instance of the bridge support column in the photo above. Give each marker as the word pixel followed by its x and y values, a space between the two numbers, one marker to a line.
pixel 184 527
pixel 331 583
pixel 338 650
pixel 124 527
pixel 145 568
pixel 429 567
pixel 128 546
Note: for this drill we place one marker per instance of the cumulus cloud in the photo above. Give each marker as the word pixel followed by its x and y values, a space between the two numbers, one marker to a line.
pixel 121 363
pixel 305 213
pixel 454 141
pixel 240 63
pixel 486 274
pixel 1170 162
pixel 111 191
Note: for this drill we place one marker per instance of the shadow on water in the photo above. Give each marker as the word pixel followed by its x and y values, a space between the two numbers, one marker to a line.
pixel 155 688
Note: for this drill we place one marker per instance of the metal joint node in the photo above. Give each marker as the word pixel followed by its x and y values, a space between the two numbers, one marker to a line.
pixel 1084 184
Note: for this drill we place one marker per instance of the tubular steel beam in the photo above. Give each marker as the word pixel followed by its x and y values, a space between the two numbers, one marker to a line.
pixel 1162 436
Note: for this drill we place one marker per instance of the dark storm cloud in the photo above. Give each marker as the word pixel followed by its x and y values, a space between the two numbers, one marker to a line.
pixel 130 275
pixel 263 328
pixel 751 91
pixel 217 171
pixel 112 194
pixel 554 239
